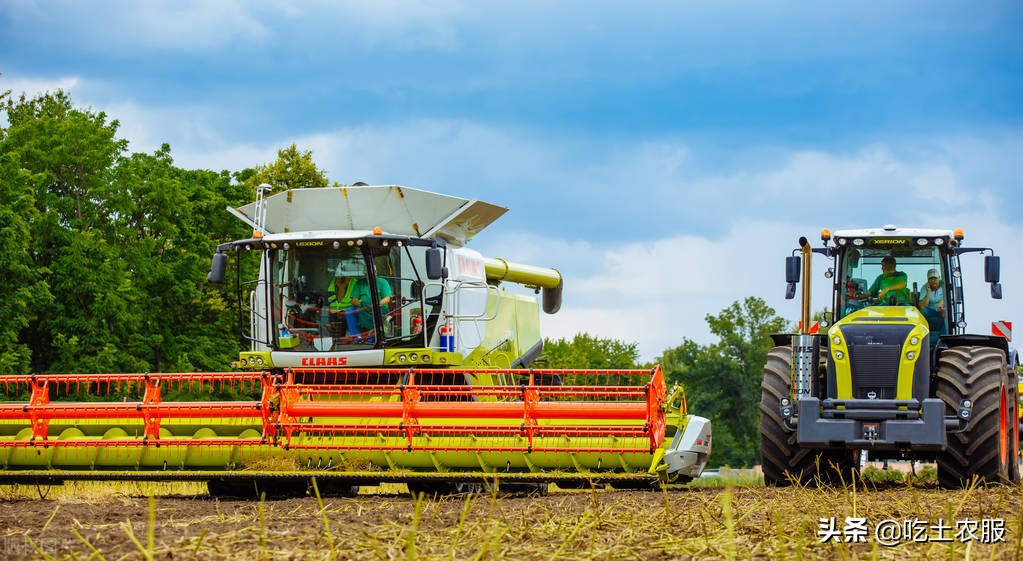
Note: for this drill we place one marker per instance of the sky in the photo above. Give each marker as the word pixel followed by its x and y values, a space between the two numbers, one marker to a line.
pixel 664 156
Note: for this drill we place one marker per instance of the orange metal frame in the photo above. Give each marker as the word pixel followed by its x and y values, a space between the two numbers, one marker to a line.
pixel 424 402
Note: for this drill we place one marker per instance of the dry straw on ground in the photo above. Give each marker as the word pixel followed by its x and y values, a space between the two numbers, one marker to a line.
pixel 92 521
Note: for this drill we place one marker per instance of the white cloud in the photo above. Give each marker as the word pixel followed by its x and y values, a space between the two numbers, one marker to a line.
pixel 178 25
pixel 35 86
pixel 724 228
pixel 658 293
pixel 752 31
pixel 733 225
pixel 192 26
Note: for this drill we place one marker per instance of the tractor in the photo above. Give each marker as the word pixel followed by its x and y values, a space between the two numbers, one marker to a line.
pixel 892 372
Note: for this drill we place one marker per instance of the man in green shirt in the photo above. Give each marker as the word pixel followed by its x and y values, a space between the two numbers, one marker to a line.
pixel 350 296
pixel 361 298
pixel 342 288
pixel 890 284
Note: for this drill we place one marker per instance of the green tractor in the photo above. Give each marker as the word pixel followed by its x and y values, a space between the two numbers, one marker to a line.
pixel 896 375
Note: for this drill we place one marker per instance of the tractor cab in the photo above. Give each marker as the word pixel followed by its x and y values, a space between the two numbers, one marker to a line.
pixel 886 271
pixel 919 269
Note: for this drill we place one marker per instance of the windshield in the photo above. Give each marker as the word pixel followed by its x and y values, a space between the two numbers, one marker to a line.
pixel 877 274
pixel 350 298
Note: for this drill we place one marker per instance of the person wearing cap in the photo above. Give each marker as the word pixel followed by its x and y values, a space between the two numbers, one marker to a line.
pixel 854 298
pixel 890 284
pixel 932 304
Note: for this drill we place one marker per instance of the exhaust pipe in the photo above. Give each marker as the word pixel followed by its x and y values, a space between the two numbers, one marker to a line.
pixel 805 347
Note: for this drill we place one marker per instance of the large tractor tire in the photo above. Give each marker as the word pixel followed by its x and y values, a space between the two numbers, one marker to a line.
pixel 782 460
pixel 985 449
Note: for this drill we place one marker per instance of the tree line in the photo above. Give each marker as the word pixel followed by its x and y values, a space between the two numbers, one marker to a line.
pixel 721 379
pixel 105 253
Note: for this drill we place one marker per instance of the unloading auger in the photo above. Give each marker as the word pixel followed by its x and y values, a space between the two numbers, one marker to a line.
pixel 380 349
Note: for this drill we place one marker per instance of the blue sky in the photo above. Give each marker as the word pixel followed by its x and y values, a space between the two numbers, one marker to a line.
pixel 664 156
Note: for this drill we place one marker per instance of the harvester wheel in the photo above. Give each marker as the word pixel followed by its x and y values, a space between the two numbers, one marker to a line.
pixel 523 489
pixel 232 488
pixel 437 489
pixel 652 485
pixel 782 460
pixel 331 488
pixel 271 488
pixel 985 448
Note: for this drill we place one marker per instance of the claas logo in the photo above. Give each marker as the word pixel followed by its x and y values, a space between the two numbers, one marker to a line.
pixel 325 361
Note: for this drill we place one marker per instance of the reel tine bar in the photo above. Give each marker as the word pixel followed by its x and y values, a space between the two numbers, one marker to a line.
pixel 534 410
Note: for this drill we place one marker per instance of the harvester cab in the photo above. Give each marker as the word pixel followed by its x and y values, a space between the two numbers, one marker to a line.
pixel 896 375
pixel 382 278
pixel 378 349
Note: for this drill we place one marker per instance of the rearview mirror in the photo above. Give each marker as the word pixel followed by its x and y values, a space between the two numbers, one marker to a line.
pixel 434 267
pixel 792 267
pixel 992 268
pixel 218 268
pixel 996 291
pixel 790 291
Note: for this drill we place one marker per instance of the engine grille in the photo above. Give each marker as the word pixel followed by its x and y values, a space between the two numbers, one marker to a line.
pixel 874 351
pixel 875 368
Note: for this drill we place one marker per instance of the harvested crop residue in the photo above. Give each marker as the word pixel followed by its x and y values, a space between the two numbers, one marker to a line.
pixel 715 523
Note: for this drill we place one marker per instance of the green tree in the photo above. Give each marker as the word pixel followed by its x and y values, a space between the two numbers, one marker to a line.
pixel 587 351
pixel 169 222
pixel 293 169
pixel 107 251
pixel 60 159
pixel 26 290
pixel 722 379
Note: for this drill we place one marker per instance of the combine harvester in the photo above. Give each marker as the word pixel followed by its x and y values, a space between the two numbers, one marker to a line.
pixel 380 350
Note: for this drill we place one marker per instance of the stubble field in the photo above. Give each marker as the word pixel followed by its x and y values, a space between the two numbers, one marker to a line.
pixel 177 521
